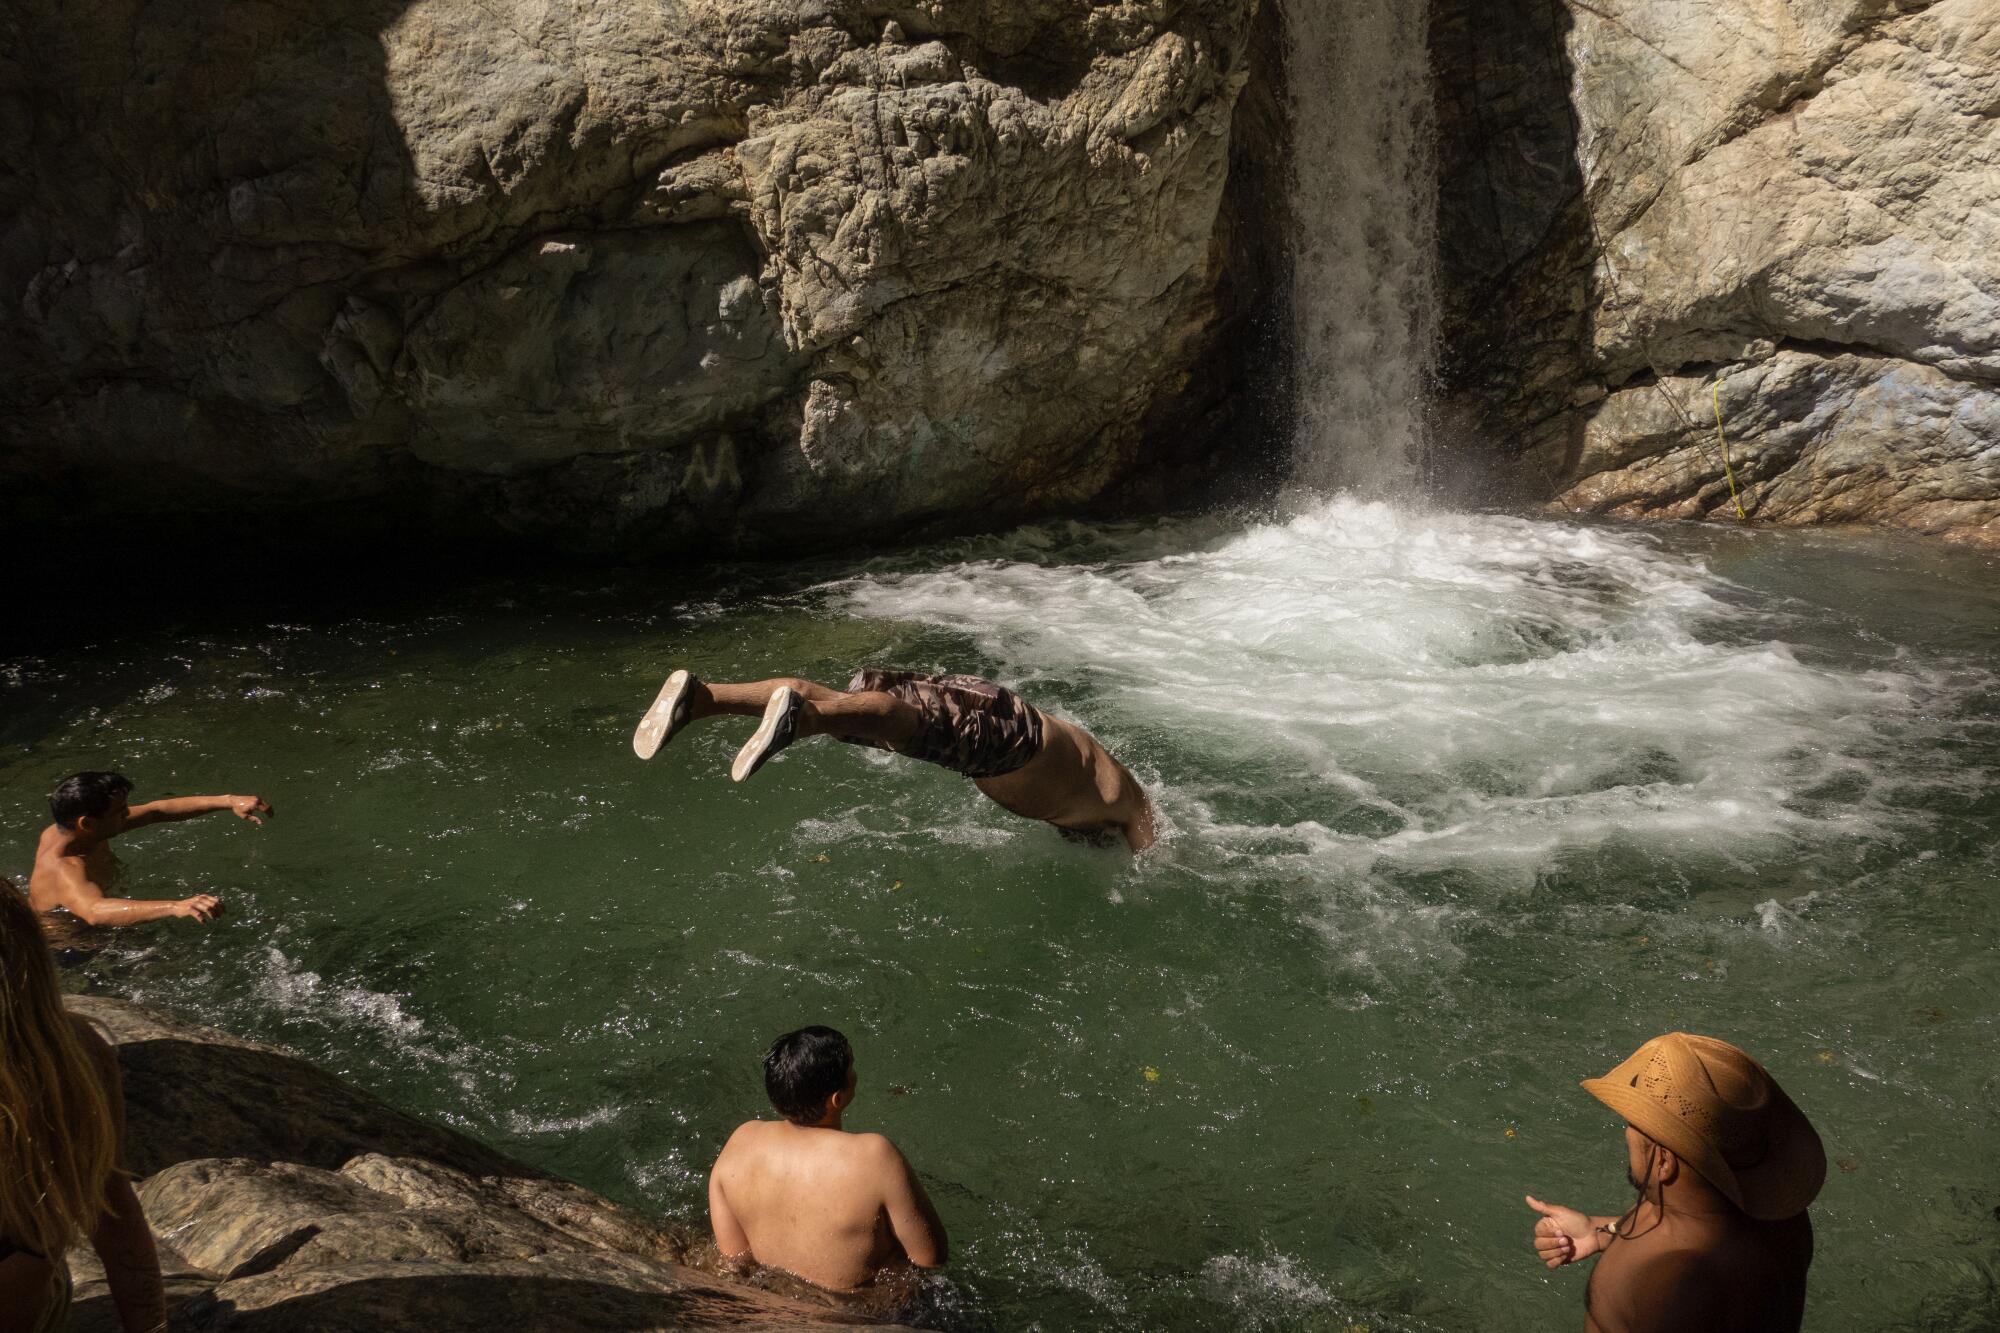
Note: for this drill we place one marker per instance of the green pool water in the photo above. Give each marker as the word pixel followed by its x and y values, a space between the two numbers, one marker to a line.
pixel 1460 809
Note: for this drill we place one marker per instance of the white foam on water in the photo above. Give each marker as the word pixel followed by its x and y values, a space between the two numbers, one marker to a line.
pixel 291 989
pixel 526 1126
pixel 886 826
pixel 1027 1251
pixel 751 962
pixel 669 1174
pixel 284 987
pixel 1276 1290
pixel 1433 691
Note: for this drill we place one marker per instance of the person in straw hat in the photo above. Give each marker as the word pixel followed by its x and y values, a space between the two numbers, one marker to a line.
pixel 1725 1166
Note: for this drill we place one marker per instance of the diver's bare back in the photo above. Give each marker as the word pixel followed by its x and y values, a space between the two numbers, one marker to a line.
pixel 1074 783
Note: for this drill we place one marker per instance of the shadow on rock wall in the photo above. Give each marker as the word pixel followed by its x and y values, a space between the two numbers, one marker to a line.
pixel 1514 246
pixel 185 201
pixel 285 254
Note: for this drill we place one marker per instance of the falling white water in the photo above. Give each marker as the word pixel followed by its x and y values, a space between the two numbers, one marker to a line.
pixel 1364 233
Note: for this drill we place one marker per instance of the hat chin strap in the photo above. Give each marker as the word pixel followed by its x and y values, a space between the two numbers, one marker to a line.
pixel 1651 1189
pixel 1656 1155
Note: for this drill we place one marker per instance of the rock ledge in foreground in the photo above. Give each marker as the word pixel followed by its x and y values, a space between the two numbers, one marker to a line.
pixel 287 1200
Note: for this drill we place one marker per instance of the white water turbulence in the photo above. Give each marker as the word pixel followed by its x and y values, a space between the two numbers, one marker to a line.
pixel 1364 241
pixel 1436 693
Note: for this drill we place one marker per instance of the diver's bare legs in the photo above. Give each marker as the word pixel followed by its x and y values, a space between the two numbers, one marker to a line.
pixel 869 716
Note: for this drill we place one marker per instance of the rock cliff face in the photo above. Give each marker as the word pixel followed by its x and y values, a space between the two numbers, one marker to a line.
pixel 1787 211
pixel 745 272
pixel 285 1200
pixel 663 274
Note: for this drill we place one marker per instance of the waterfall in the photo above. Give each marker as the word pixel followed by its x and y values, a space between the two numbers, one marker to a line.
pixel 1364 241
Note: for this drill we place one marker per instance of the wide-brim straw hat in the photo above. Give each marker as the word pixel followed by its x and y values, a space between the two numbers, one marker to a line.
pixel 1718 1111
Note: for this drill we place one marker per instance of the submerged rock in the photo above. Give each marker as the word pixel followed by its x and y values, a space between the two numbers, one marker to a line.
pixel 1787 209
pixel 285 1199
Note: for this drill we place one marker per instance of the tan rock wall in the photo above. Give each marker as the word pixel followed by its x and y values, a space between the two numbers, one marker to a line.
pixel 1792 208
pixel 637 274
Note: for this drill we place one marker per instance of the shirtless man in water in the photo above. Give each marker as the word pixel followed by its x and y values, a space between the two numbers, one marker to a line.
pixel 1029 763
pixel 1725 1166
pixel 803 1195
pixel 74 866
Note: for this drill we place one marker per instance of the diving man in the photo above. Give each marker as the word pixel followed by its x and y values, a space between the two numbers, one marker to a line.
pixel 1029 763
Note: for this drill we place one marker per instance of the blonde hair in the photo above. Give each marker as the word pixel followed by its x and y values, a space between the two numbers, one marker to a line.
pixel 57 1137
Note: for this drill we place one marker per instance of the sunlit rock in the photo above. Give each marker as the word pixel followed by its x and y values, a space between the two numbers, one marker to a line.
pixel 1787 211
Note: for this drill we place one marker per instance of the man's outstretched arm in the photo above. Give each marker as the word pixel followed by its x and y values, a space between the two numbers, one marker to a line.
pixel 187 807
pixel 85 901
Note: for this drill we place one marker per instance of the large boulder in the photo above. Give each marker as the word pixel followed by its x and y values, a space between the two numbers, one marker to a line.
pixel 635 275
pixel 1782 213
pixel 285 1199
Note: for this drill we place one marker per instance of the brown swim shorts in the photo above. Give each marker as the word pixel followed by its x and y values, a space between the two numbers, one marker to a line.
pixel 969 725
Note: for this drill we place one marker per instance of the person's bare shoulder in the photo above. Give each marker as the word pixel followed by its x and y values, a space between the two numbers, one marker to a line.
pixel 874 1153
pixel 48 854
pixel 743 1135
pixel 60 878
pixel 736 1150
pixel 1677 1288
pixel 874 1144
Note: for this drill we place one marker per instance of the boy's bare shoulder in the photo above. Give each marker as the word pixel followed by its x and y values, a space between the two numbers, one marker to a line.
pixel 875 1149
pixel 747 1133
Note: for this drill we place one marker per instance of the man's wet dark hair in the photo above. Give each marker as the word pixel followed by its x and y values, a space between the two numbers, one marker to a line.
pixel 90 794
pixel 804 1068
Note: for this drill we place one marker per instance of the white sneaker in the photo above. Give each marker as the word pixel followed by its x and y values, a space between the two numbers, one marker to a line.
pixel 779 728
pixel 669 713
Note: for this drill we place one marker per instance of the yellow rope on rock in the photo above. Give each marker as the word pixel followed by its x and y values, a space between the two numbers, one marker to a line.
pixel 1715 393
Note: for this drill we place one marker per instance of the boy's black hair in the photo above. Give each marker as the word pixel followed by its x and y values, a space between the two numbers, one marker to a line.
pixel 804 1068
pixel 90 794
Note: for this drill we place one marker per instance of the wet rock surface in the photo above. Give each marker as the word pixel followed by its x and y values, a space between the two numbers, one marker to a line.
pixel 624 277
pixel 286 1200
pixel 1787 211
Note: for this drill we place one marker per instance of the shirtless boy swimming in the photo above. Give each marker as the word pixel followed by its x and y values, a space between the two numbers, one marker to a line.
pixel 1029 763
pixel 74 866
pixel 803 1195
